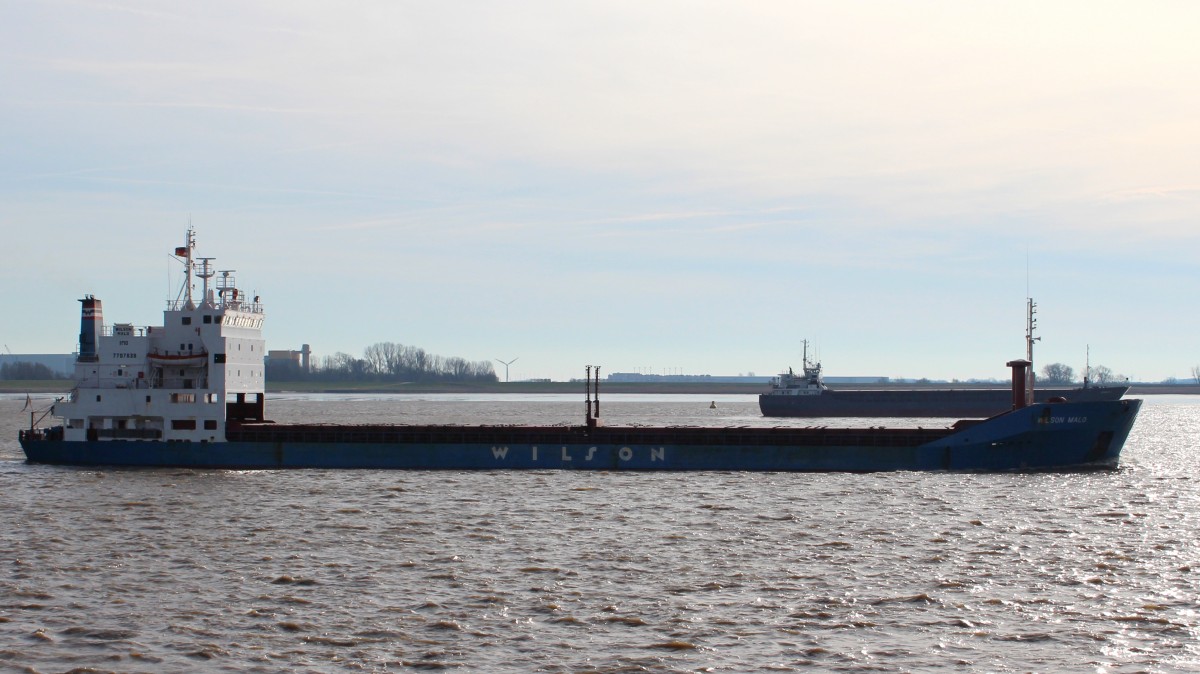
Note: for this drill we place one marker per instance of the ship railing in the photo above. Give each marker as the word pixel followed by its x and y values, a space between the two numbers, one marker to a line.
pixel 108 383
pixel 133 383
pixel 52 433
pixel 244 306
pixel 184 383
pixel 129 433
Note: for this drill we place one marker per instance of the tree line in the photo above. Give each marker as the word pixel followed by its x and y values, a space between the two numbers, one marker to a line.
pixel 1058 373
pixel 22 371
pixel 385 361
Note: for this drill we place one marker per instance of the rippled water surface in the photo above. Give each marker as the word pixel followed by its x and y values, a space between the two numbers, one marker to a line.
pixel 187 570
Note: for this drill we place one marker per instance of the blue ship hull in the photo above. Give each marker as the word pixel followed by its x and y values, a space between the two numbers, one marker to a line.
pixel 1039 437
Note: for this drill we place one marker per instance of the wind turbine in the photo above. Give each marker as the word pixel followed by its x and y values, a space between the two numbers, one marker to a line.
pixel 506 367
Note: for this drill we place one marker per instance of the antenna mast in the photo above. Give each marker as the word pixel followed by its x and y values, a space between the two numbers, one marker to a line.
pixel 1087 365
pixel 1030 324
pixel 185 252
pixel 189 266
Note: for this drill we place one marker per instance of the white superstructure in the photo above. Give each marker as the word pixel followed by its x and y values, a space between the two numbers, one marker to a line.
pixel 791 384
pixel 182 380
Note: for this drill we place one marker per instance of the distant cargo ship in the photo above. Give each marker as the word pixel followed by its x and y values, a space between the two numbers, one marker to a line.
pixel 190 393
pixel 807 395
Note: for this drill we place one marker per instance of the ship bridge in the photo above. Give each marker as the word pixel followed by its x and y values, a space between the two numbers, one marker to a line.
pixel 182 380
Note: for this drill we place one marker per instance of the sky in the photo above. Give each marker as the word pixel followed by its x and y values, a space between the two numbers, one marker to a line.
pixel 669 187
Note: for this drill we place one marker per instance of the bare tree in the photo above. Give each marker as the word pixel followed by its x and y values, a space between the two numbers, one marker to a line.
pixel 1102 375
pixel 376 361
pixel 1057 373
pixel 1196 373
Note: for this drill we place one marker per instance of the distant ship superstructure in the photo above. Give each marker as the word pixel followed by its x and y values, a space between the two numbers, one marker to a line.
pixel 182 380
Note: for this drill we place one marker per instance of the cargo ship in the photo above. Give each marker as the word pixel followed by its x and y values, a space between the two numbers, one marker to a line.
pixel 807 395
pixel 191 393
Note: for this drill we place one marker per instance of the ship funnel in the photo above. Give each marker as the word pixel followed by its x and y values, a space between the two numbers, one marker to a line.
pixel 89 330
pixel 1020 379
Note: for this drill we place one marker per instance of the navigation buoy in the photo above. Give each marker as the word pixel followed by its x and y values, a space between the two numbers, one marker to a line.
pixel 712 405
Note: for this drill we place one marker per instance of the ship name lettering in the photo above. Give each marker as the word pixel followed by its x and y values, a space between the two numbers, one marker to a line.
pixel 1076 420
pixel 500 452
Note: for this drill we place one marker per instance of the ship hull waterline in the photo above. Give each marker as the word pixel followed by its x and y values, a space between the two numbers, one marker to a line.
pixel 1041 437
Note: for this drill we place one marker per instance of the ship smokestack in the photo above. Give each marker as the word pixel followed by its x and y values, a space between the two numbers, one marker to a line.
pixel 1020 379
pixel 89 329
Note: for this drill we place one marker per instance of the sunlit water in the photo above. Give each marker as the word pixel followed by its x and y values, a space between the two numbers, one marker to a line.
pixel 265 571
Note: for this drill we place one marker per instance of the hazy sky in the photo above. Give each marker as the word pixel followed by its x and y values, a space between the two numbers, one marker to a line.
pixel 689 186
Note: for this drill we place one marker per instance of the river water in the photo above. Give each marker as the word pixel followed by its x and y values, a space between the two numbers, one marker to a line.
pixel 326 571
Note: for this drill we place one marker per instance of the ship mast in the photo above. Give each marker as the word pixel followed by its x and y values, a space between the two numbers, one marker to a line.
pixel 1087 365
pixel 185 293
pixel 206 272
pixel 1030 324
